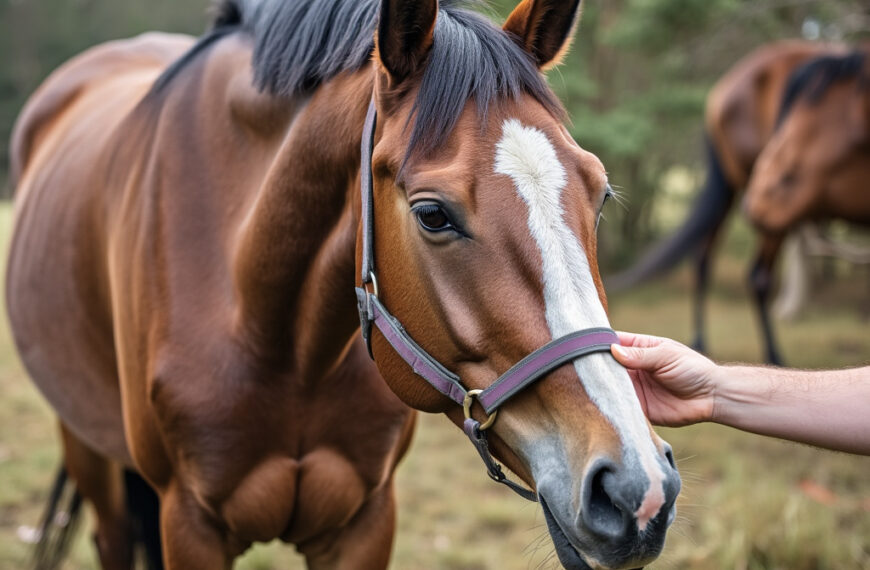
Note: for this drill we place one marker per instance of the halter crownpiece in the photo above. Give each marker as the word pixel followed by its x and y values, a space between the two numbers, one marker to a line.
pixel 530 369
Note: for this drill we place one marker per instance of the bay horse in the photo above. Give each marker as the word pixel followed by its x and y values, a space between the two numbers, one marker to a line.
pixel 741 115
pixel 817 164
pixel 212 239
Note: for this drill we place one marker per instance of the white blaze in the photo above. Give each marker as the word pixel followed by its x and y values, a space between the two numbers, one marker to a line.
pixel 571 298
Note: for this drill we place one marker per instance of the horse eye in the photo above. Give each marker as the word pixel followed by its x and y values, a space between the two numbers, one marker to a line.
pixel 607 196
pixel 432 218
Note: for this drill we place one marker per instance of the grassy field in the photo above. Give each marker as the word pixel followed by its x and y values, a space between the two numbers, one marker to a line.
pixel 748 502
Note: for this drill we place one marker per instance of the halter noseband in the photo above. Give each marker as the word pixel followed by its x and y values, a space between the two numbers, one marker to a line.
pixel 530 369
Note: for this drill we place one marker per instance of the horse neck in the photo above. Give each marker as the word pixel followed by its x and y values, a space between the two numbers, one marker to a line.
pixel 295 262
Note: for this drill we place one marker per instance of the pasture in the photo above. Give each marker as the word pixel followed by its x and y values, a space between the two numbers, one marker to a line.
pixel 747 502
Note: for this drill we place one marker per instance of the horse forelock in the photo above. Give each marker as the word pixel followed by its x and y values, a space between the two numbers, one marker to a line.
pixel 300 45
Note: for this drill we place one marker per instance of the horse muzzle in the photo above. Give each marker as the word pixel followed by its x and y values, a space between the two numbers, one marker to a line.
pixel 607 532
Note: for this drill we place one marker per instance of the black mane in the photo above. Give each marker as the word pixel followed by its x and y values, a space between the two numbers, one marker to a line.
pixel 300 44
pixel 812 79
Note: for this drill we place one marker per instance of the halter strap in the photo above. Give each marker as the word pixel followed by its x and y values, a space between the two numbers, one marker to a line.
pixel 367 193
pixel 530 369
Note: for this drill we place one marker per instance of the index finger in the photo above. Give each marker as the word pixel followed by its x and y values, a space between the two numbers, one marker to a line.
pixel 638 340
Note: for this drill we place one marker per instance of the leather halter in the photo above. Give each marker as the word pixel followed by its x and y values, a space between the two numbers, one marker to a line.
pixel 530 369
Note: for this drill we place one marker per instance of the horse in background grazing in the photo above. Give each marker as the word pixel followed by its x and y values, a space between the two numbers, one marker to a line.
pixel 741 116
pixel 199 245
pixel 817 164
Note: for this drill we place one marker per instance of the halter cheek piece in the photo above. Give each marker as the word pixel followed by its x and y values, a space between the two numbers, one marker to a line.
pixel 530 369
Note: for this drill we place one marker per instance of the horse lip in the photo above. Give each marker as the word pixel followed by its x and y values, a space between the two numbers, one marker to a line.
pixel 568 555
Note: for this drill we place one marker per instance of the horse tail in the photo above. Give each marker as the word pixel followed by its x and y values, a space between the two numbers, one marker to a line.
pixel 710 209
pixel 143 506
pixel 58 525
pixel 62 516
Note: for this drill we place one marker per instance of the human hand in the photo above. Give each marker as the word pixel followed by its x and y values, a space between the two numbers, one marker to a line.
pixel 675 384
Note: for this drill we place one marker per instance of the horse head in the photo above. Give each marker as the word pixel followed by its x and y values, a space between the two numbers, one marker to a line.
pixel 484 241
pixel 819 153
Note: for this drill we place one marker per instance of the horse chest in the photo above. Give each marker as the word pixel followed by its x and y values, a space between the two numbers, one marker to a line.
pixel 281 458
pixel 295 500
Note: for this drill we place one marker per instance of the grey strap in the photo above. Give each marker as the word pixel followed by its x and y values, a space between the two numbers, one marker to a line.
pixel 471 427
pixel 367 193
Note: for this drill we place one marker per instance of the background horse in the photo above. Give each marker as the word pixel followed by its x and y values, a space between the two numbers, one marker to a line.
pixel 817 165
pixel 741 115
pixel 180 284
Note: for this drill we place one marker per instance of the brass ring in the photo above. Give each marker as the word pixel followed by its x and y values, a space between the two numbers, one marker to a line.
pixel 466 407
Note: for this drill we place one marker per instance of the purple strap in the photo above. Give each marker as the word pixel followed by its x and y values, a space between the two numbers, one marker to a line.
pixel 528 370
pixel 418 359
pixel 544 360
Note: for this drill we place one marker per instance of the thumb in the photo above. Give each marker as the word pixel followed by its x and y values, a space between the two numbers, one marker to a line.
pixel 635 357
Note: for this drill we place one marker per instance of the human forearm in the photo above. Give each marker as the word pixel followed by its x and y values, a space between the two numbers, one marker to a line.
pixel 828 409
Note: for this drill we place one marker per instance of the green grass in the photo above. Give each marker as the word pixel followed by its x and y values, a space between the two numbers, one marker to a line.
pixel 741 508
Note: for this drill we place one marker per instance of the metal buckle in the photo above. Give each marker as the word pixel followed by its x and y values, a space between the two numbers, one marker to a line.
pixel 466 407
pixel 366 313
pixel 374 281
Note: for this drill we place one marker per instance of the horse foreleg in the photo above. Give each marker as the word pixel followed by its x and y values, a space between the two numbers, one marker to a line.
pixel 761 283
pixel 794 278
pixel 702 280
pixel 191 539
pixel 365 543
pixel 100 482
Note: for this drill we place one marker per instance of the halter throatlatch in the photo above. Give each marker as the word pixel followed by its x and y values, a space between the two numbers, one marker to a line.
pixel 530 369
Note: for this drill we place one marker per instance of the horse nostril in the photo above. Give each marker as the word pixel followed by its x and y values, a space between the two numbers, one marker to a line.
pixel 669 455
pixel 603 513
pixel 619 502
pixel 672 483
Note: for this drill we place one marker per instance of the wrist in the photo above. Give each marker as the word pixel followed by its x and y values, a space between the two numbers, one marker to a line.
pixel 736 390
pixel 719 382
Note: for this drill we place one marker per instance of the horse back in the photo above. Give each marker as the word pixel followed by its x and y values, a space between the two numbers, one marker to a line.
pixel 149 53
pixel 57 286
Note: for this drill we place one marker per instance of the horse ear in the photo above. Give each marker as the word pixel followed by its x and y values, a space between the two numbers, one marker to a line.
pixel 405 34
pixel 544 28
